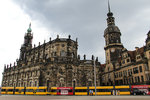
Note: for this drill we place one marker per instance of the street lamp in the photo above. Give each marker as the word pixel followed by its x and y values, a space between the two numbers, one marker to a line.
pixel 47 85
pixel 94 74
pixel 130 78
pixel 74 85
pixel 114 69
pixel 89 84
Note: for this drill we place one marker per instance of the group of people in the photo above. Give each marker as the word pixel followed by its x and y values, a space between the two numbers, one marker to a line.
pixel 90 92
pixel 115 92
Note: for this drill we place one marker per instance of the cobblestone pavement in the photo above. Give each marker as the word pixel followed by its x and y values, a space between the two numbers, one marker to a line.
pixel 22 97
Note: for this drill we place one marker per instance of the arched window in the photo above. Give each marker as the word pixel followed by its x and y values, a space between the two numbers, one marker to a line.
pixel 108 69
pixel 62 53
pixel 30 83
pixel 35 83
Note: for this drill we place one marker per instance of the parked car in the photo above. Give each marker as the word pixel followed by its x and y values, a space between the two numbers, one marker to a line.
pixel 138 92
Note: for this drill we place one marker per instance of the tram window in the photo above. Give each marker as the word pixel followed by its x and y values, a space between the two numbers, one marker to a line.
pixel 135 89
pixel 41 90
pixel 16 90
pixel 76 90
pixel 123 90
pixel 3 90
pixel 10 90
pixel 69 90
pixel 84 90
pixel 103 90
pixel 53 90
pixel 81 90
pixel 22 90
pixel 29 90
pixel 59 90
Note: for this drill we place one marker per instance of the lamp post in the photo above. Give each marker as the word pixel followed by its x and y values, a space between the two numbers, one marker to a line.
pixel 47 85
pixel 74 85
pixel 114 69
pixel 89 84
pixel 130 78
pixel 94 75
pixel 88 87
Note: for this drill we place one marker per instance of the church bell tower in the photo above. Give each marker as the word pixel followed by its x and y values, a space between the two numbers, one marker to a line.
pixel 112 34
pixel 27 43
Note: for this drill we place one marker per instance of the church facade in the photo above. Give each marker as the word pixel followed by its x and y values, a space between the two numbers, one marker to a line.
pixel 55 63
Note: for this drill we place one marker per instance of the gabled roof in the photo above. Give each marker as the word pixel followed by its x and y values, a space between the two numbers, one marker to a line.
pixel 133 54
pixel 103 65
pixel 141 51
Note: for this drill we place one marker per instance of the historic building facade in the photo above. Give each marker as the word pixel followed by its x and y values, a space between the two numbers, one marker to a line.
pixel 55 63
pixel 123 66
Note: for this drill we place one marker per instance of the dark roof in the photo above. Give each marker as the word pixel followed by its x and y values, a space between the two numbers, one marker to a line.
pixel 134 53
pixel 62 40
pixel 103 65
pixel 111 29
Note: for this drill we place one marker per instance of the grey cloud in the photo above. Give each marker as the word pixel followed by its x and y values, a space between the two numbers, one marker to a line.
pixel 86 19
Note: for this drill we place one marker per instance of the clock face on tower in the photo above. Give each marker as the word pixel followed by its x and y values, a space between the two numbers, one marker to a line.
pixel 112 50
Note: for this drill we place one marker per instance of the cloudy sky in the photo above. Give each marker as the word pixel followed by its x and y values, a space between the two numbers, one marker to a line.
pixel 82 19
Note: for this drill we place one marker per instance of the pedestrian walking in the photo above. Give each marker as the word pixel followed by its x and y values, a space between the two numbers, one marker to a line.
pixel 90 92
pixel 118 92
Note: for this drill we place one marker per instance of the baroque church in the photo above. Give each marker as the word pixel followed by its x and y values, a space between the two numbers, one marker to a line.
pixel 55 63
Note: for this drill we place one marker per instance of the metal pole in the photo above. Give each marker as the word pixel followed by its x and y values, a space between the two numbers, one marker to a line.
pixel 94 76
pixel 129 84
pixel 74 87
pixel 114 78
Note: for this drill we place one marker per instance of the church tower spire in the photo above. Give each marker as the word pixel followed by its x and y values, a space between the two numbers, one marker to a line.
pixel 110 19
pixel 27 43
pixel 29 29
pixel 112 36
pixel 28 38
pixel 108 7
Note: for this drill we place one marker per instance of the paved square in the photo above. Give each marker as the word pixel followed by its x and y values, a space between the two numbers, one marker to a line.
pixel 23 97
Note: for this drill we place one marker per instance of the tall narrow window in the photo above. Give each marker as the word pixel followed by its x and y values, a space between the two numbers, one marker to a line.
pixel 108 69
pixel 135 70
pixel 35 83
pixel 138 79
pixel 31 74
pixel 135 80
pixel 140 68
pixel 62 53
pixel 142 78
pixel 30 83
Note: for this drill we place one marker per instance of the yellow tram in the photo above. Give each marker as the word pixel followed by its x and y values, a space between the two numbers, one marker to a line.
pixel 19 90
pixel 100 90
pixel 80 90
pixel 122 90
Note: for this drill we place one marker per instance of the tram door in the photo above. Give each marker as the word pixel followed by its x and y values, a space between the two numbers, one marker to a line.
pixel 64 92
